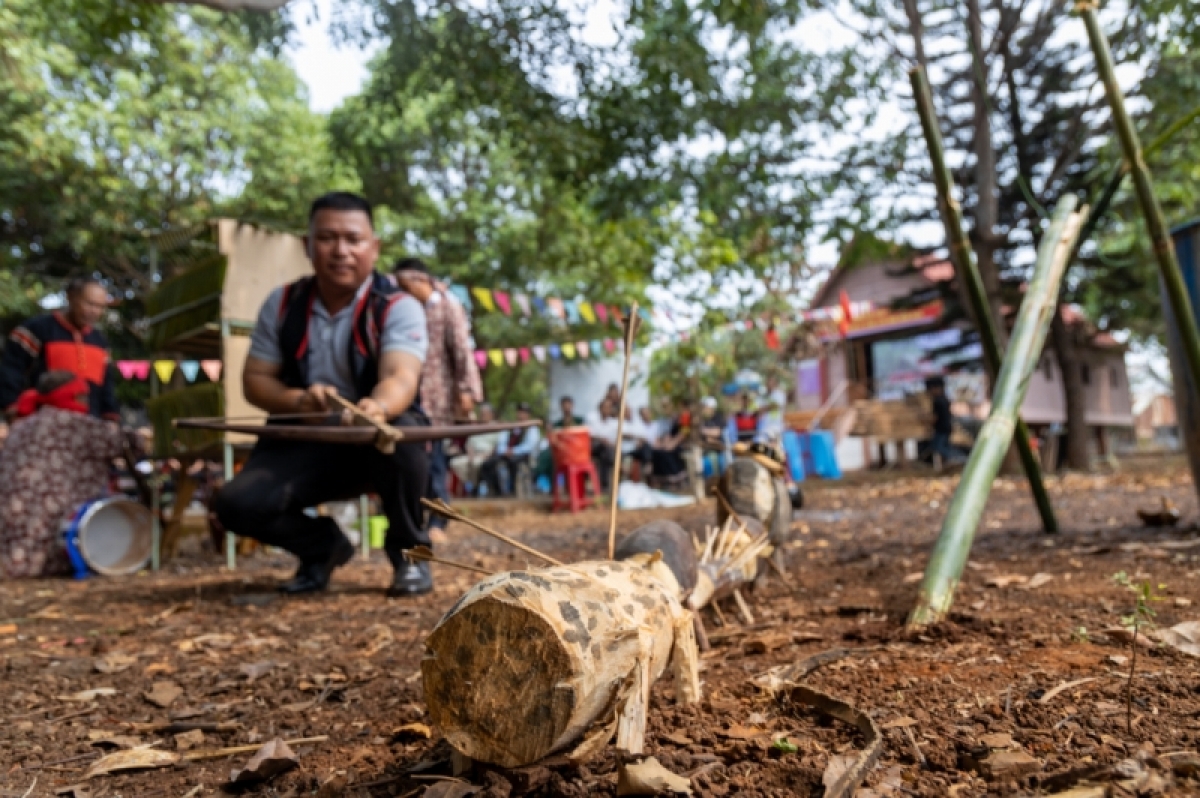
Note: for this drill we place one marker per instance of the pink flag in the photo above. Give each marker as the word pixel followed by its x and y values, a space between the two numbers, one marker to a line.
pixel 601 313
pixel 134 369
pixel 540 353
pixel 481 358
pixel 524 354
pixel 503 302
pixel 212 369
pixel 523 303
pixel 609 345
pixel 556 307
pixel 582 348
pixel 510 357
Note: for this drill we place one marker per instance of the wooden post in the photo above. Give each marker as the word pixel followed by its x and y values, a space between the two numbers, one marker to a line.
pixel 964 266
pixel 950 553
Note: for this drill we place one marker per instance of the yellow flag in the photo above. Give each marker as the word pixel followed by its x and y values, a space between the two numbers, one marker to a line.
pixel 585 310
pixel 568 351
pixel 484 297
pixel 164 369
pixel 496 356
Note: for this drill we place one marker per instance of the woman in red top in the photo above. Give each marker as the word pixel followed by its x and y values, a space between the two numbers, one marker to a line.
pixel 55 459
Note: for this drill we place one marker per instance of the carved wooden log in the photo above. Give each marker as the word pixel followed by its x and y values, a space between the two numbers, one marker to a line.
pixel 530 663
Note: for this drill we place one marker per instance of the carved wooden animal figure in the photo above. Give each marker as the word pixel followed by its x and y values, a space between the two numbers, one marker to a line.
pixel 754 492
pixel 530 663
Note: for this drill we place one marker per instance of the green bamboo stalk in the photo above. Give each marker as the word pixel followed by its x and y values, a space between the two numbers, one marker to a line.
pixel 1164 249
pixel 964 265
pixel 949 555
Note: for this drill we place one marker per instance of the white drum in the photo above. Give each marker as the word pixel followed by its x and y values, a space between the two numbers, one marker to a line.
pixel 113 537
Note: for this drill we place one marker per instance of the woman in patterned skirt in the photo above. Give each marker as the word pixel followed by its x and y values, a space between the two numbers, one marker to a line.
pixel 55 459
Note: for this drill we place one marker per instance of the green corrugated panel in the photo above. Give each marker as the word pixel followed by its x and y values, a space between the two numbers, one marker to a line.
pixel 196 294
pixel 204 401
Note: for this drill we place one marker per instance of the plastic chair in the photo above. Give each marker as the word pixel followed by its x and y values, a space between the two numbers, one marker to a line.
pixel 573 464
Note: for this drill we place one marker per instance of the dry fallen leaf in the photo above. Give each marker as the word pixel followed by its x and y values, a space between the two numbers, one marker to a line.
pixel 915 576
pixel 412 732
pixel 1037 581
pixel 449 789
pixel 133 759
pixel 739 732
pixel 271 760
pixel 649 777
pixel 107 739
pixel 163 694
pixel 1005 580
pixel 1184 637
pixel 8 629
pixel 899 723
pixel 256 670
pixel 186 741
pixel 837 767
pixel 89 695
pixel 115 663
pixel 678 738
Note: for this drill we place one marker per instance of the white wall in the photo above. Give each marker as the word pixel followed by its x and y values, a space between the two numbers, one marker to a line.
pixel 587 380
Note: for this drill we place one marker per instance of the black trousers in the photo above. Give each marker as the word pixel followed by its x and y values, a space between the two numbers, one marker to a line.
pixel 266 501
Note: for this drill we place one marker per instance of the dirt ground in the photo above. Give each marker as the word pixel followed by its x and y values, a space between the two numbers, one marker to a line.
pixel 196 659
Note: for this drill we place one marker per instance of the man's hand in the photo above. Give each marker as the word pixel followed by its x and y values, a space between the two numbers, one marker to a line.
pixel 373 410
pixel 317 399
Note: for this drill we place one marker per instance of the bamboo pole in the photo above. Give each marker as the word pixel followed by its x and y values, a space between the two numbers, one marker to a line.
pixel 949 555
pixel 964 266
pixel 1164 250
pixel 631 325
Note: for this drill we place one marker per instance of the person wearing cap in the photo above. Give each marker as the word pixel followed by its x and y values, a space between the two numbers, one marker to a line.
pixel 450 383
pixel 515 448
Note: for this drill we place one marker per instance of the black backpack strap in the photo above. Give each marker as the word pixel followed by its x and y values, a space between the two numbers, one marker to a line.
pixel 295 308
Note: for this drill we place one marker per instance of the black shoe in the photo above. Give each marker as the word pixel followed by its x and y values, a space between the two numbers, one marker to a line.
pixel 313 577
pixel 411 579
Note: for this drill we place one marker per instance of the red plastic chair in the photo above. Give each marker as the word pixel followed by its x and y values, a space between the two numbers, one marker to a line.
pixel 572 449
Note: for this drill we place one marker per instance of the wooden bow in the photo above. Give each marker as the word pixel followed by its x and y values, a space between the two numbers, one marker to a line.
pixel 350 435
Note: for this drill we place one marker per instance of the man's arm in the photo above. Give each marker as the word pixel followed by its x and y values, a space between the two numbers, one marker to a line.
pixel 399 378
pixel 110 408
pixel 528 444
pixel 264 390
pixel 20 351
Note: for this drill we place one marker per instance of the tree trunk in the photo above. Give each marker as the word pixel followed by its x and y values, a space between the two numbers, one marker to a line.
pixel 1070 367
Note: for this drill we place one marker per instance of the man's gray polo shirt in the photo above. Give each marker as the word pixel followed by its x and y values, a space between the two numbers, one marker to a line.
pixel 329 338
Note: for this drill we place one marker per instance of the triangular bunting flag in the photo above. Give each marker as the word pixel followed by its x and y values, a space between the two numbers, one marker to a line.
pixel 597 348
pixel 461 293
pixel 212 369
pixel 134 369
pixel 582 348
pixel 539 305
pixel 496 356
pixel 502 302
pixel 556 307
pixel 555 351
pixel 164 369
pixel 572 311
pixel 540 353
pixel 609 345
pixel 524 354
pixel 522 302
pixel 190 369
pixel 617 316
pixel 585 310
pixel 484 297
pixel 568 351
pixel 510 357
pixel 601 313
pixel 481 358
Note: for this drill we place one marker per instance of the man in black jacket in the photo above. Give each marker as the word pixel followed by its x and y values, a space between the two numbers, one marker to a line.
pixel 65 340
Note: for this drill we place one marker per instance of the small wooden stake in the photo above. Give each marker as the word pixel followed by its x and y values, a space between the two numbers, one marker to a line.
pixel 424 554
pixel 443 509
pixel 631 325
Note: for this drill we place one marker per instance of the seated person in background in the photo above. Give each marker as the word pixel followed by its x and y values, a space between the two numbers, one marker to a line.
pixel 568 417
pixel 712 424
pixel 602 425
pixel 640 434
pixel 515 447
pixel 55 459
pixel 477 450
pixel 666 456
pixel 770 422
pixel 746 420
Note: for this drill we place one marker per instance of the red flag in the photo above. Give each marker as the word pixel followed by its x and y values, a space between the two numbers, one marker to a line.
pixel 844 324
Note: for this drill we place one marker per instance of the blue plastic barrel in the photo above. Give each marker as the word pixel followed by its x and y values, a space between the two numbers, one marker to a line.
pixel 1187 398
